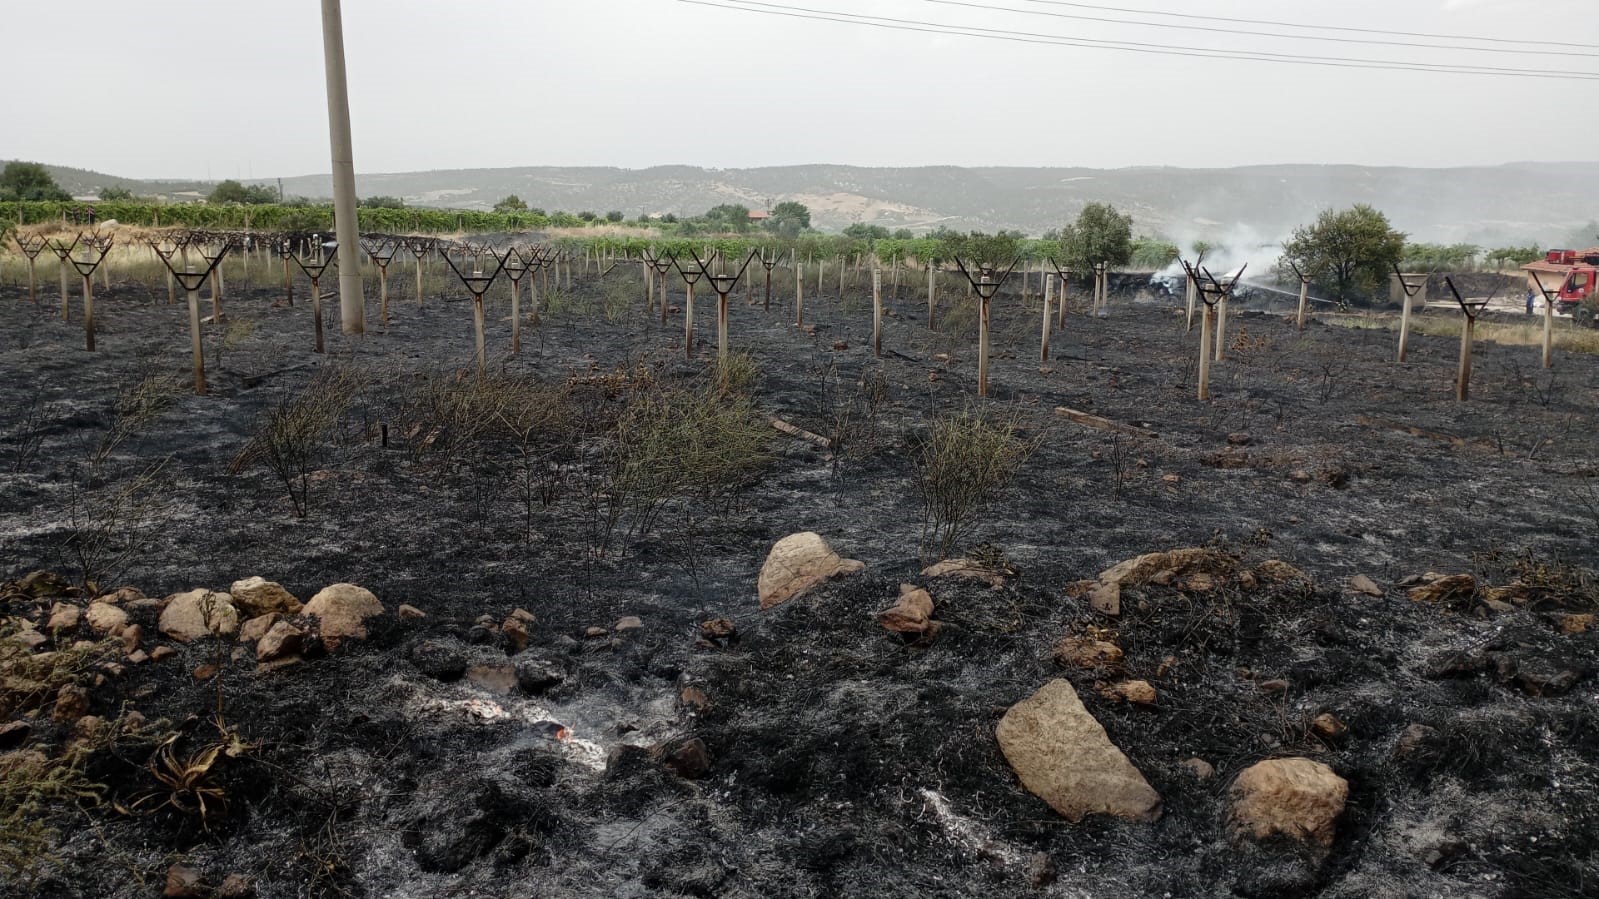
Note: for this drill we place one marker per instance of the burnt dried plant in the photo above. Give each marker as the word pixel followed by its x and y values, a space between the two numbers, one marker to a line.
pixel 138 405
pixel 961 465
pixel 293 434
pixel 27 435
pixel 110 524
pixel 191 783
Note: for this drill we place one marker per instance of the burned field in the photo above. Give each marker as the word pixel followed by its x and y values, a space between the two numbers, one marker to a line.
pixel 1341 566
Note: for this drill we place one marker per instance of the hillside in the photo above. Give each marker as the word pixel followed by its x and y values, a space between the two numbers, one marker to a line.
pixel 1548 203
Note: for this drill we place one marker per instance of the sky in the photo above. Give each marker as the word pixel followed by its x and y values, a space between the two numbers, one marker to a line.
pixel 206 89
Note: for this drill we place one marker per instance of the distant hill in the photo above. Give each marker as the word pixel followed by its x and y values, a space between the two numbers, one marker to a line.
pixel 1517 203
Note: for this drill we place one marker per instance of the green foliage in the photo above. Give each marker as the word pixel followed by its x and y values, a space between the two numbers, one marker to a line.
pixel 789 219
pixel 115 193
pixel 1433 257
pixel 231 191
pixel 512 203
pixel 863 231
pixel 1100 234
pixel 614 216
pixel 977 249
pixel 1511 257
pixel 381 202
pixel 1153 253
pixel 728 217
pixel 29 181
pixel 1347 253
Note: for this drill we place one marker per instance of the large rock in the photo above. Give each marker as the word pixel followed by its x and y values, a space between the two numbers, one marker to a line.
pixel 912 614
pixel 64 616
pixel 1153 568
pixel 343 610
pixel 105 617
pixel 797 563
pixel 1064 757
pixel 198 613
pixel 257 596
pixel 1297 798
pixel 283 640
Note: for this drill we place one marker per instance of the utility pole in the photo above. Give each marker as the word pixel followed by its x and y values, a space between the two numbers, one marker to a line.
pixel 352 301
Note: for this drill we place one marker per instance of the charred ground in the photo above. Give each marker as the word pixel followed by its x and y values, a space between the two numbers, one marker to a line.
pixel 837 759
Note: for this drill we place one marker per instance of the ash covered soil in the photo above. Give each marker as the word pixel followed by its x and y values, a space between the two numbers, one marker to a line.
pixel 565 722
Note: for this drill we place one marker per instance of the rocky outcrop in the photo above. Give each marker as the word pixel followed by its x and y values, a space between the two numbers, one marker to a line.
pixel 798 563
pixel 1064 757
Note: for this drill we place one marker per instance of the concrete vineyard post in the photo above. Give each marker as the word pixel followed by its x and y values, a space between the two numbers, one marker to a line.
pixel 982 339
pixel 932 291
pixel 316 309
pixel 288 283
pixel 1192 290
pixel 721 327
pixel 1060 311
pixel 821 277
pixel 383 291
pixel 877 312
pixel 649 287
pixel 842 267
pixel 516 314
pixel 419 279
pixel 194 340
pixel 1304 299
pixel 1404 324
pixel 1221 329
pixel 66 314
pixel 799 296
pixel 1043 344
pixel 172 290
pixel 1204 354
pixel 33 285
pixel 1548 333
pixel 477 330
pixel 88 310
pixel 1463 378
pixel 688 321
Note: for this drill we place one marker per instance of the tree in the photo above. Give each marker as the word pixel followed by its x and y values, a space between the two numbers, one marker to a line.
pixel 1100 234
pixel 381 202
pixel 789 218
pixel 29 181
pixel 231 191
pixel 512 203
pixel 1348 253
pixel 729 216
pixel 863 231
pixel 614 216
pixel 115 193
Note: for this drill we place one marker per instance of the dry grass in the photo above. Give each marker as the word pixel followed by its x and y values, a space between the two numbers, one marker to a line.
pixel 1568 337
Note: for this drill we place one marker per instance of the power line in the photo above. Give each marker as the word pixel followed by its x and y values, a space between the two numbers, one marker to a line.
pixel 1543 51
pixel 923 26
pixel 1278 24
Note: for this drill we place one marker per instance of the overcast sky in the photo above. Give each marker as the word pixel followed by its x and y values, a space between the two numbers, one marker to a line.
pixel 200 88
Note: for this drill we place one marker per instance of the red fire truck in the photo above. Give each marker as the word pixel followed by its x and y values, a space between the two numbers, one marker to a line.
pixel 1570 276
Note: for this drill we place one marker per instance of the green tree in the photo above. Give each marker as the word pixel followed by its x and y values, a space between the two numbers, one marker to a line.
pixel 512 203
pixel 1510 257
pixel 231 191
pixel 614 216
pixel 728 217
pixel 863 231
pixel 29 181
pixel 1100 234
pixel 789 218
pixel 110 194
pixel 1348 253
pixel 381 203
